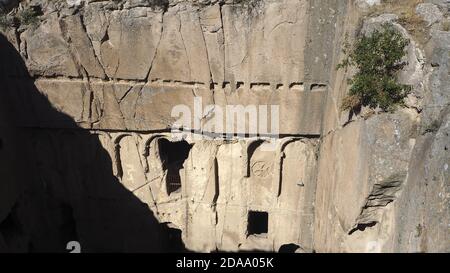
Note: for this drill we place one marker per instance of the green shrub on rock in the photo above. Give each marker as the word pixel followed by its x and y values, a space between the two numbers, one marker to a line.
pixel 377 58
pixel 28 17
pixel 5 21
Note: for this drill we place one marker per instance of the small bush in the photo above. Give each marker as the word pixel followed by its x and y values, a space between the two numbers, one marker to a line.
pixel 28 17
pixel 5 22
pixel 378 58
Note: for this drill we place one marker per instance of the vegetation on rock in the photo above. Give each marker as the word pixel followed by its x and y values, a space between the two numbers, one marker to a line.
pixel 28 16
pixel 25 17
pixel 5 21
pixel 377 58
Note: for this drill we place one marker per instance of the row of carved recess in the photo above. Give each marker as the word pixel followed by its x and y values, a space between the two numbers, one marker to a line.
pixel 148 106
pixel 222 180
pixel 288 42
pixel 146 142
pixel 256 86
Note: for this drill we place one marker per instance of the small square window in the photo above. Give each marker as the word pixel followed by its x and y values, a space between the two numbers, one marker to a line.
pixel 258 223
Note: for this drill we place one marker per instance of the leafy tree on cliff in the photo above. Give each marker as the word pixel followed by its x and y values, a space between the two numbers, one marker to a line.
pixel 378 59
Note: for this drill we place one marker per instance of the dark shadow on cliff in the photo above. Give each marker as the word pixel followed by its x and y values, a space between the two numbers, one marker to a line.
pixel 57 185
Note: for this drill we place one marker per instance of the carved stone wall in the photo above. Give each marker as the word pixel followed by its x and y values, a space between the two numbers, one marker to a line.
pixel 116 71
pixel 124 67
pixel 86 110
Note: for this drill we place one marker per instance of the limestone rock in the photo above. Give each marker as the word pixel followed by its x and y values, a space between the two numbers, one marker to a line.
pixel 92 91
pixel 430 13
pixel 48 52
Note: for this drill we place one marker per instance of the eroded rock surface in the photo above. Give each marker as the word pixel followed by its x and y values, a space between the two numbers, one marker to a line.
pixel 88 94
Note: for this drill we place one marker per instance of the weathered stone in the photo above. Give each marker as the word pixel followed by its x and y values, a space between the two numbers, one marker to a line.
pixel 125 41
pixel 67 97
pixel 48 52
pixel 430 13
pixel 87 154
pixel 81 46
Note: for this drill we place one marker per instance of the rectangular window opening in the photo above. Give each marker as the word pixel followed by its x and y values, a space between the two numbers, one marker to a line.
pixel 258 223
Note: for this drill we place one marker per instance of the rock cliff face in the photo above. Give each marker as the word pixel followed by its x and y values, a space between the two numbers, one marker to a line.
pixel 88 90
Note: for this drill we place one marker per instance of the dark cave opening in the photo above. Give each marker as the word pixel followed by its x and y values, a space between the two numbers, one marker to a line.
pixel 288 248
pixel 173 155
pixel 258 223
